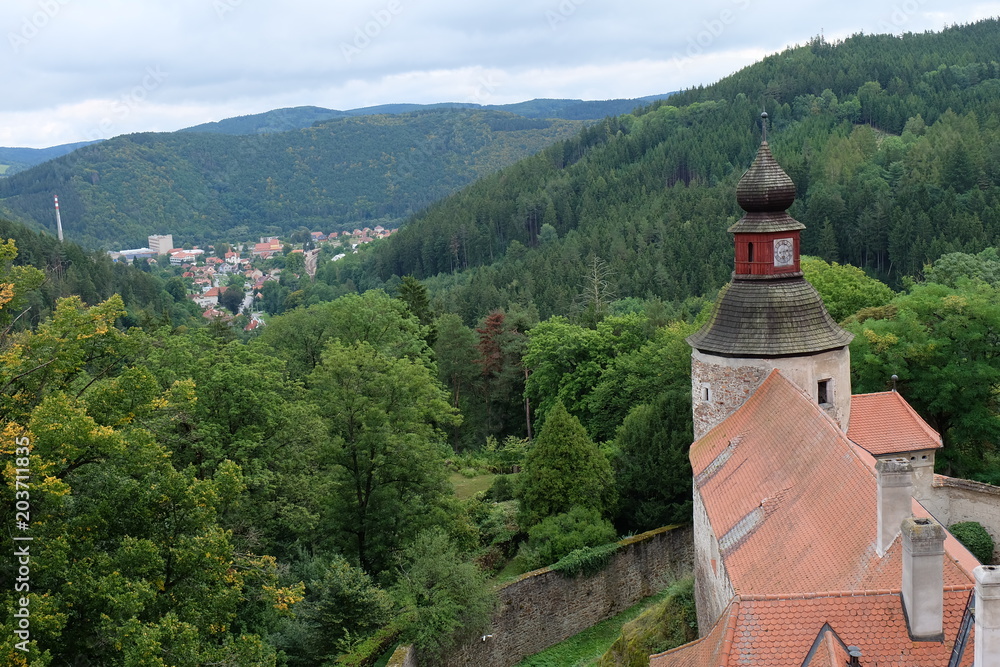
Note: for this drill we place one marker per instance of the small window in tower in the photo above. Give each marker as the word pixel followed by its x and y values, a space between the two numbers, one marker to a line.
pixel 750 252
pixel 823 392
pixel 706 392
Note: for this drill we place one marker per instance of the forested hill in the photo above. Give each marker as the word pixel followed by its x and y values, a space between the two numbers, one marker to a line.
pixel 335 175
pixel 280 120
pixel 893 143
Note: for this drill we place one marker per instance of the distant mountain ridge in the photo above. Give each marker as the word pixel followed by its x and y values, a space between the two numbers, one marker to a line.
pixel 334 175
pixel 294 118
pixel 18 159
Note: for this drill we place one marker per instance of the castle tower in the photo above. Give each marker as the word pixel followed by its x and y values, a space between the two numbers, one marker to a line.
pixel 768 317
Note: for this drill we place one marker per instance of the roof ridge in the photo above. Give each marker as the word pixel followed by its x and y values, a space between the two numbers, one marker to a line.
pixel 862 593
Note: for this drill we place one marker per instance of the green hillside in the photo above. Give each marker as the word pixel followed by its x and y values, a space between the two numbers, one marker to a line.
pixel 282 120
pixel 893 142
pixel 335 175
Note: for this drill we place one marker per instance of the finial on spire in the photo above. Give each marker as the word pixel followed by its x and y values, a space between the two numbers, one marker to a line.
pixel 763 122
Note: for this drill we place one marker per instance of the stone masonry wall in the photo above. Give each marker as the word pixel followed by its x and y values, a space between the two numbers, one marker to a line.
pixel 969 501
pixel 543 608
pixel 728 387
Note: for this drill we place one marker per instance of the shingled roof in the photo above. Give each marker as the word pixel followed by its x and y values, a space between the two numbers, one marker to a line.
pixel 772 316
pixel 769 318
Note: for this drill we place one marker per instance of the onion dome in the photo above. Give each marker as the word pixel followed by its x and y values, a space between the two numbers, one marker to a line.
pixel 765 188
pixel 768 310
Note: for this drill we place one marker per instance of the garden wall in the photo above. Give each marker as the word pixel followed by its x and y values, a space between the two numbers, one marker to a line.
pixel 542 608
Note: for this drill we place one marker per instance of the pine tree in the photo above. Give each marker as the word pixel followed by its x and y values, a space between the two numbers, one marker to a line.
pixel 564 469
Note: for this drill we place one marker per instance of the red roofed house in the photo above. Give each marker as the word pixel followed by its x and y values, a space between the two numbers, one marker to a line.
pixel 817 516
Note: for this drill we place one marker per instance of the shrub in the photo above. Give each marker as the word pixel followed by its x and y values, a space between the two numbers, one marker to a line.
pixel 586 562
pixel 667 625
pixel 561 534
pixel 502 489
pixel 443 598
pixel 975 538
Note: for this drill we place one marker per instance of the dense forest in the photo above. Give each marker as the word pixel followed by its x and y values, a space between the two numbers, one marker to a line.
pixel 892 142
pixel 502 385
pixel 335 175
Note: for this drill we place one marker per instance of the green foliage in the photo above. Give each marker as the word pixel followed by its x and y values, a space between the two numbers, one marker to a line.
pixel 652 470
pixel 366 652
pixel 975 538
pixel 504 457
pixel 385 453
pixel 501 490
pixel 564 469
pixel 952 268
pixel 940 342
pixel 585 562
pixel 567 360
pixel 299 337
pixel 344 603
pixel 444 599
pixel 845 289
pixel 201 185
pixel 671 623
pixel 559 535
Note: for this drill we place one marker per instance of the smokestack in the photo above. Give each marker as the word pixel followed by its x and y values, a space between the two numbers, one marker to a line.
pixel 987 616
pixel 58 219
pixel 895 490
pixel 923 578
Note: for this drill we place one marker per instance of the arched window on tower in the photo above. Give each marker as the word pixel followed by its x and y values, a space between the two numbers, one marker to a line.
pixel 750 252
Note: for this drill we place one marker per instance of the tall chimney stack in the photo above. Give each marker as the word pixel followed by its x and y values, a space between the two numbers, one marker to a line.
pixel 987 616
pixel 58 219
pixel 923 578
pixel 895 492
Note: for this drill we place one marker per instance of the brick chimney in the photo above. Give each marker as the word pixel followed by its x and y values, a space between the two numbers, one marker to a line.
pixel 895 490
pixel 987 616
pixel 923 578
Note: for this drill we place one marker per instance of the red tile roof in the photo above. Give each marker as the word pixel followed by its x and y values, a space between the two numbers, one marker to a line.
pixel 792 502
pixel 780 631
pixel 884 423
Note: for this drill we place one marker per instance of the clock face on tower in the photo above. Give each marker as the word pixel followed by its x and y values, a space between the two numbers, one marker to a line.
pixel 784 253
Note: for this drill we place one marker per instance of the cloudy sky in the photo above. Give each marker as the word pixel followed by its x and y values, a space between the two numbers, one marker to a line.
pixel 74 70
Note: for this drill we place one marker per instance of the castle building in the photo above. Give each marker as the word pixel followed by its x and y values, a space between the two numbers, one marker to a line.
pixel 818 520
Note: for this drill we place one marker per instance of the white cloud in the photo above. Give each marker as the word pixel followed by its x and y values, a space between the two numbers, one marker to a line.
pixel 73 68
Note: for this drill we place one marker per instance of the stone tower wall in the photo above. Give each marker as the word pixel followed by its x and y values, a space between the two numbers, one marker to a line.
pixel 719 385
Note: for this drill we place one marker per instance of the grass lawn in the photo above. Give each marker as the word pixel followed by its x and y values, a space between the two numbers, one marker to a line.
pixel 586 648
pixel 466 487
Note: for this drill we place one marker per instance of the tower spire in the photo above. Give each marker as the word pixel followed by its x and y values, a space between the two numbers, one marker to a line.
pixel 768 317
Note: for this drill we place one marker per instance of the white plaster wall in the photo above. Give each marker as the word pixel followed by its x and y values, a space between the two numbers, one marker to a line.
pixel 712 588
pixel 963 500
pixel 730 381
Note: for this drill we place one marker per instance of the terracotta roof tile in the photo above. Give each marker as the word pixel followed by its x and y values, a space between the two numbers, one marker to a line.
pixel 884 423
pixel 794 501
pixel 782 634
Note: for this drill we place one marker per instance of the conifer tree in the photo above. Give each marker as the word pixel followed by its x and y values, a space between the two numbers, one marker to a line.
pixel 564 469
